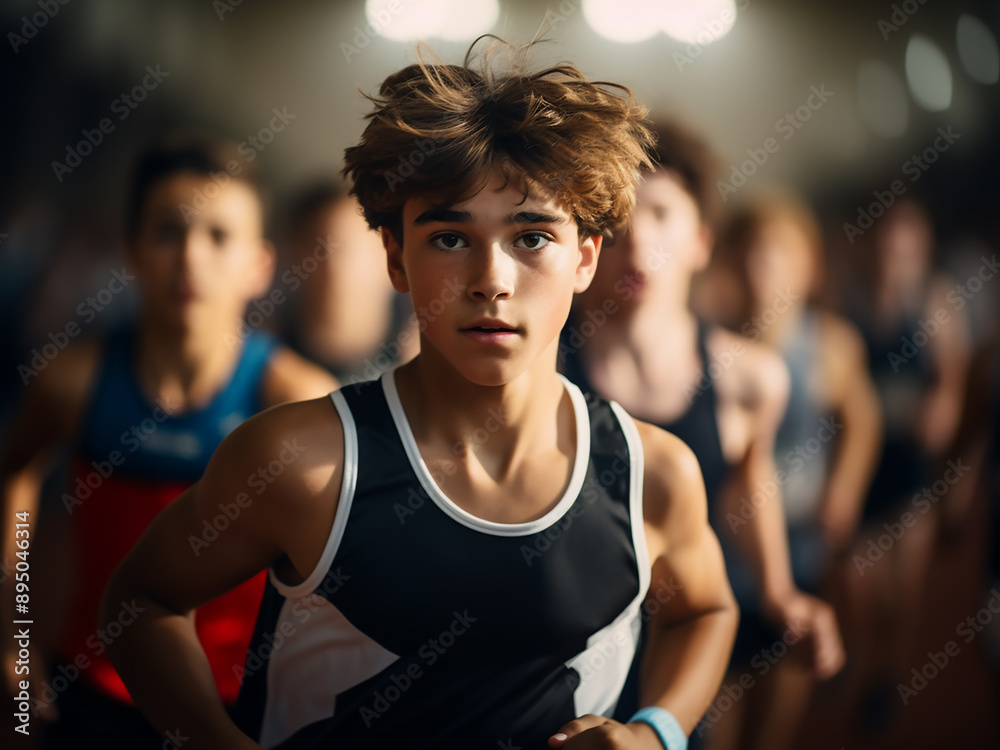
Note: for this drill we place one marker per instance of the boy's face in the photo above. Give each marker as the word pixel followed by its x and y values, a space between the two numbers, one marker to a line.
pixel 200 266
pixel 779 258
pixel 665 243
pixel 492 278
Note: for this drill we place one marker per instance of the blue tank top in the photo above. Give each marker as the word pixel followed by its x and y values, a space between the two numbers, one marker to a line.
pixel 154 446
pixel 425 627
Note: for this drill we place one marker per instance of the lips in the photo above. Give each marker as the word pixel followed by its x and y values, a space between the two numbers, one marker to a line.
pixel 491 325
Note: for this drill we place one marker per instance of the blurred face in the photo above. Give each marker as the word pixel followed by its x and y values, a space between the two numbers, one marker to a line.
pixel 903 242
pixel 200 266
pixel 663 246
pixel 778 259
pixel 491 278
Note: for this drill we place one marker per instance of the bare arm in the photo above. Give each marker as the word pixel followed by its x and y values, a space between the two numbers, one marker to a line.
pixel 165 577
pixel 690 635
pixel 691 610
pixel 855 402
pixel 763 537
pixel 949 348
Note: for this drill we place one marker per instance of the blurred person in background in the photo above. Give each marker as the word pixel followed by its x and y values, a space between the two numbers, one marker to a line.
pixel 830 437
pixel 344 314
pixel 918 350
pixel 634 339
pixel 142 409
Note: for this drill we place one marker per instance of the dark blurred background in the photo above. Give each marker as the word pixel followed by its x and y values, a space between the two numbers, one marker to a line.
pixel 886 80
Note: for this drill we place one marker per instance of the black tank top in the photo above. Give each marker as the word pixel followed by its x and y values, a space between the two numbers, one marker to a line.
pixel 698 427
pixel 425 627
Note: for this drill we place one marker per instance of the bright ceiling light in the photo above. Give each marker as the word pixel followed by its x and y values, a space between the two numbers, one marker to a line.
pixel 928 73
pixel 624 20
pixel 469 19
pixel 690 22
pixel 454 20
pixel 703 22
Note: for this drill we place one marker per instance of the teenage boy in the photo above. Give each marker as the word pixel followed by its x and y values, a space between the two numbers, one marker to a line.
pixel 460 556
pixel 143 410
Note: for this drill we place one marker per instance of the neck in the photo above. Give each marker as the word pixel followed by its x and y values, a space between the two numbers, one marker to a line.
pixel 444 408
pixel 185 368
pixel 645 322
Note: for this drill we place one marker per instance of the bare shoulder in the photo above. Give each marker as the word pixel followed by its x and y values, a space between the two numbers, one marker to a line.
pixel 747 372
pixel 673 488
pixel 297 445
pixel 291 377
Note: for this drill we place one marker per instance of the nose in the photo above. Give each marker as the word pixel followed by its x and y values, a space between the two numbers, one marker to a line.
pixel 492 274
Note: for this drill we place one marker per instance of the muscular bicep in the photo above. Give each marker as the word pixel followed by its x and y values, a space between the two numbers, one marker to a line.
pixel 688 567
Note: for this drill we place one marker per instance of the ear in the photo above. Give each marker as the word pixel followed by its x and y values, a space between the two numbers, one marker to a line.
pixel 394 261
pixel 590 252
pixel 703 252
pixel 262 273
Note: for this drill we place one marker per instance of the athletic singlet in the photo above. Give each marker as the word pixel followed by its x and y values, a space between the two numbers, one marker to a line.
pixel 423 626
pixel 801 453
pixel 804 464
pixel 902 374
pixel 131 460
pixel 698 427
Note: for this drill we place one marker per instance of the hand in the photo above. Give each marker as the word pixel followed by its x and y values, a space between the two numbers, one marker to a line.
pixel 814 625
pixel 591 732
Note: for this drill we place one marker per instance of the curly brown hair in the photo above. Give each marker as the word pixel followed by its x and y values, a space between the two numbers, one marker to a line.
pixel 442 130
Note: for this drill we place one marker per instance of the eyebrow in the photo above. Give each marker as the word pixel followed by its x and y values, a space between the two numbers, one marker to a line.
pixel 454 216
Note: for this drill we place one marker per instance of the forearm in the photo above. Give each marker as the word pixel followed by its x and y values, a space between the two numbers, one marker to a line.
pixel 684 664
pixel 857 452
pixel 167 673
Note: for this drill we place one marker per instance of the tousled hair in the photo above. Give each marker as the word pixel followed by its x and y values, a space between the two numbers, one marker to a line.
pixel 442 130
pixel 191 153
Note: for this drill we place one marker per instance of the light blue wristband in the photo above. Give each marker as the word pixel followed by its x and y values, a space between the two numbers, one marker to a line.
pixel 664 724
